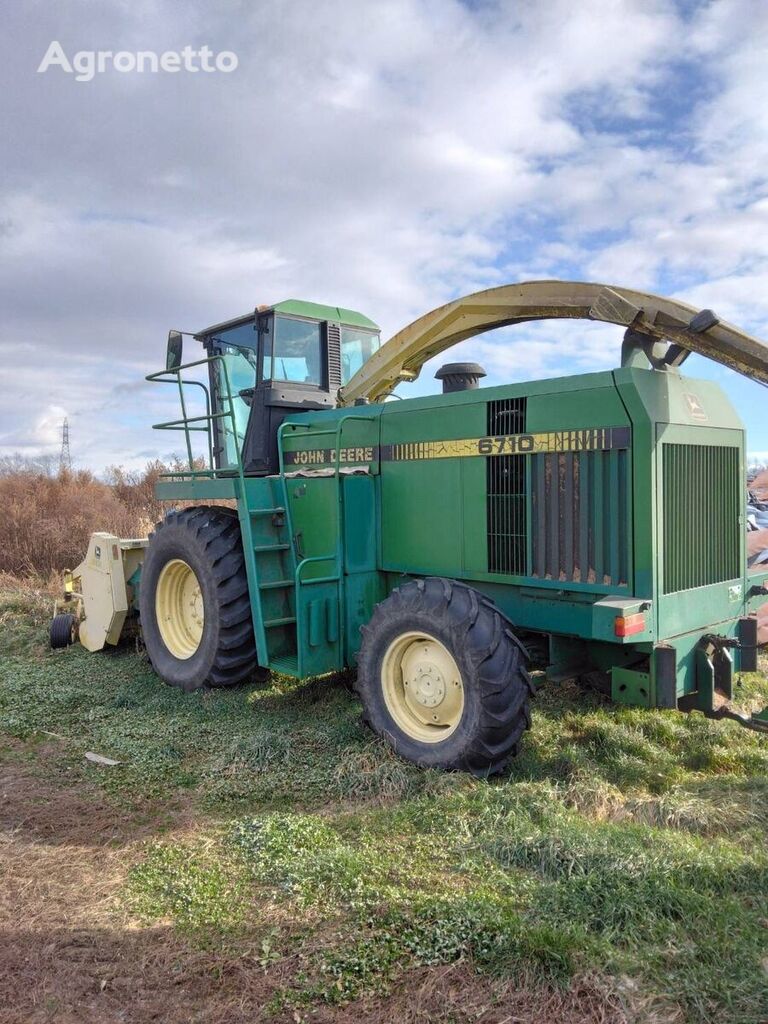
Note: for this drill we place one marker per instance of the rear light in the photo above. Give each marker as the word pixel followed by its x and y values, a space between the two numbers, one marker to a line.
pixel 628 625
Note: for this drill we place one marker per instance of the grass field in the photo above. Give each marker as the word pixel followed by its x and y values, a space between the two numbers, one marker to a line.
pixel 258 855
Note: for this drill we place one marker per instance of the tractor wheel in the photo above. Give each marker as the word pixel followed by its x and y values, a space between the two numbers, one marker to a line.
pixel 193 599
pixel 443 679
pixel 63 630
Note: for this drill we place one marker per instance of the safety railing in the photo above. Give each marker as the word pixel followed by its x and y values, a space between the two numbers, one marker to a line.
pixel 201 424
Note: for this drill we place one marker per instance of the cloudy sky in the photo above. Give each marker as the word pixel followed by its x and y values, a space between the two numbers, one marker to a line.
pixel 385 155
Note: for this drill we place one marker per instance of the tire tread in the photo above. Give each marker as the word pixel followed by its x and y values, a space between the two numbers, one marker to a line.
pixel 498 656
pixel 217 530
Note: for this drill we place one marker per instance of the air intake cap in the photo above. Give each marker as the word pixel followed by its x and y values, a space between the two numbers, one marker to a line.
pixel 460 377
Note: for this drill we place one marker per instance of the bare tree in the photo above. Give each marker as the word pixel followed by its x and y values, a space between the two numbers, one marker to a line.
pixel 41 464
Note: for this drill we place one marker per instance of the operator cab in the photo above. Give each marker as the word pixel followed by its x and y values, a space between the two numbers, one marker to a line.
pixel 291 357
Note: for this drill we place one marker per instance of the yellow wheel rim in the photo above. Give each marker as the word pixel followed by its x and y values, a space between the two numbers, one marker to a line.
pixel 422 687
pixel 179 609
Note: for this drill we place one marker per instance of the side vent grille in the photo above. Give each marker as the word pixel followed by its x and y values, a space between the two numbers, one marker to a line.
pixel 507 495
pixel 580 513
pixel 334 356
pixel 702 509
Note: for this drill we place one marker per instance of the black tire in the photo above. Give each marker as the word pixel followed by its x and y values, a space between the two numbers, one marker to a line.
pixel 490 658
pixel 62 632
pixel 208 540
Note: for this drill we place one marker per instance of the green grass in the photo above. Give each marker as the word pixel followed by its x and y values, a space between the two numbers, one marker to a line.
pixel 624 841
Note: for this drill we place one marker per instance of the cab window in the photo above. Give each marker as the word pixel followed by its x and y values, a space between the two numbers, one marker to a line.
pixel 241 375
pixel 357 347
pixel 295 352
pixel 236 346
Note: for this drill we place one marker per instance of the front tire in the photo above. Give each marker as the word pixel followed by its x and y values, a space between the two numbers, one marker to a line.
pixel 194 602
pixel 63 630
pixel 443 678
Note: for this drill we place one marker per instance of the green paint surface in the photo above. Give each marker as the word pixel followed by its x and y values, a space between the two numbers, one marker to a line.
pixel 317 311
pixel 353 537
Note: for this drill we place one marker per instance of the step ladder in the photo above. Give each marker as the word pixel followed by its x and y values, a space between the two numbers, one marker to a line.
pixel 271 566
pixel 278 582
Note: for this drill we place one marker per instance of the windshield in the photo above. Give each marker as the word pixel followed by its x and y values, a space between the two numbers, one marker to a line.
pixel 357 347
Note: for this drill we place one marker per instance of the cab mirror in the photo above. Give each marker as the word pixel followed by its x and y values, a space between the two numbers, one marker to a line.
pixel 173 354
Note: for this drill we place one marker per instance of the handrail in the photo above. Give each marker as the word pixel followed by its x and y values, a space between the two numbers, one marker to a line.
pixel 190 419
pixel 318 579
pixel 227 412
pixel 157 379
pixel 171 376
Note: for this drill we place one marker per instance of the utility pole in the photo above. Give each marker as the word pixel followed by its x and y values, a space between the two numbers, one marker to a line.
pixel 65 458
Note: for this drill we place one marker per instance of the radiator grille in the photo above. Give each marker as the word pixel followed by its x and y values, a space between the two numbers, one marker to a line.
pixel 580 515
pixel 702 507
pixel 506 488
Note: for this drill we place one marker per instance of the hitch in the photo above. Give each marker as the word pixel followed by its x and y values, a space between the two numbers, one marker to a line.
pixel 758 721
pixel 714 669
pixel 711 642
pixel 714 673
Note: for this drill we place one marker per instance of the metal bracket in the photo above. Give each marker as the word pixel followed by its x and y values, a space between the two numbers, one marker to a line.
pixel 660 354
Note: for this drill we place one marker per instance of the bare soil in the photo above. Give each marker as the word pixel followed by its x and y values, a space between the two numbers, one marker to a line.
pixel 70 955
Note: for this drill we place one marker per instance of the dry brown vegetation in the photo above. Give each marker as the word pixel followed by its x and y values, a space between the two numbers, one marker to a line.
pixel 48 518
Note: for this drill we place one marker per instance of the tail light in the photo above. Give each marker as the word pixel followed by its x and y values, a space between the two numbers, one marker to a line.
pixel 628 625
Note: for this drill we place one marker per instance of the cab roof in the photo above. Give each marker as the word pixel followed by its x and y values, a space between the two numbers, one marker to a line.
pixel 316 311
pixel 297 307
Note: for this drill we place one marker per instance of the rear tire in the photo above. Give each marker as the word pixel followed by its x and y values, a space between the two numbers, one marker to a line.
pixel 194 602
pixel 424 635
pixel 63 630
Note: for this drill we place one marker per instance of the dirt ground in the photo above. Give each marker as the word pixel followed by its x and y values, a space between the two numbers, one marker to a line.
pixel 69 954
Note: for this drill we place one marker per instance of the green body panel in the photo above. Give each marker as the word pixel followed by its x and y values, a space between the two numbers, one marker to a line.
pixel 659 411
pixel 373 495
pixel 200 489
pixel 630 686
pixel 574 409
pixel 314 507
pixel 454 490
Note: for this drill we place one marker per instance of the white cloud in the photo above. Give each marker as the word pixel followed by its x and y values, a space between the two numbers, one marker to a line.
pixel 44 433
pixel 386 155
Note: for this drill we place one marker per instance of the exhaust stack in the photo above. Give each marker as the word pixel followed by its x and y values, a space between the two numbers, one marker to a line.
pixel 460 377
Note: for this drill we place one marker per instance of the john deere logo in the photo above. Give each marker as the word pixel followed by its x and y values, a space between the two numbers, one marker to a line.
pixel 695 408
